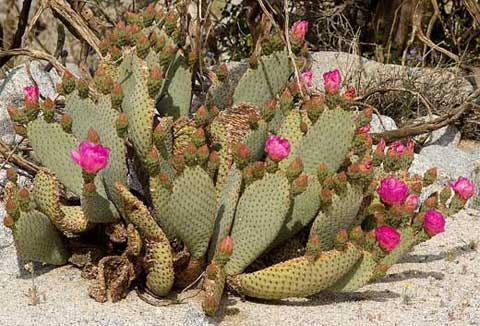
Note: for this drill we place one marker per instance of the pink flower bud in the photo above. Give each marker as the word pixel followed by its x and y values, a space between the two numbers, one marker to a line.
pixel 363 130
pixel 307 77
pixel 392 191
pixel 463 187
pixel 387 237
pixel 277 148
pixel 90 157
pixel 299 29
pixel 332 81
pixel 226 246
pixel 434 222
pixel 411 203
pixel 30 96
pixel 380 149
pixel 396 147
pixel 349 94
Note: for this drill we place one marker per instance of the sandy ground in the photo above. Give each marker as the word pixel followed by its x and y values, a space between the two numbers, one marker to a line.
pixel 436 284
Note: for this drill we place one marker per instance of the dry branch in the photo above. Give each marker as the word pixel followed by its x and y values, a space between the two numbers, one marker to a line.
pixel 34 54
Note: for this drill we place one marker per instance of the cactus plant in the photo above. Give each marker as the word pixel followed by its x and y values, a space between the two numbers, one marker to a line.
pixel 220 192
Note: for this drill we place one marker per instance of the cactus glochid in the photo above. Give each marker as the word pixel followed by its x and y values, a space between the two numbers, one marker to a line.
pixel 221 191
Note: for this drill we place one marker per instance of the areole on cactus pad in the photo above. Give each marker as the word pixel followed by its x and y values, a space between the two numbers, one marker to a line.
pixel 278 194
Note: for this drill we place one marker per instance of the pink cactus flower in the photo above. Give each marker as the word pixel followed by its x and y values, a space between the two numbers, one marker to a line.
pixel 411 203
pixel 332 81
pixel 90 157
pixel 277 148
pixel 463 187
pixel 299 29
pixel 363 130
pixel 349 94
pixel 387 237
pixel 433 223
pixel 307 77
pixel 392 191
pixel 397 147
pixel 31 95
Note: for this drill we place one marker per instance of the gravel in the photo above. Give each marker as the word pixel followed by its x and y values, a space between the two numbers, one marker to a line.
pixel 436 284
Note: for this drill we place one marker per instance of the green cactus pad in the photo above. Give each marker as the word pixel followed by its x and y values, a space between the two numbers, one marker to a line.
pixel 220 94
pixel 407 241
pixel 340 215
pixel 220 134
pixel 297 277
pixel 101 117
pixel 226 206
pixel 192 210
pixel 37 239
pixel 290 129
pixel 259 85
pixel 160 274
pixel 160 198
pixel 52 146
pixel 45 194
pixel 327 141
pixel 213 292
pixel 255 140
pixel 166 145
pixel 137 104
pixel 260 216
pixel 176 90
pixel 358 276
pixel 305 208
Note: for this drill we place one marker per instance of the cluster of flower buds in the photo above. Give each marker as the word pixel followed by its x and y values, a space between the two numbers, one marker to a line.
pixel 103 80
pixel 399 156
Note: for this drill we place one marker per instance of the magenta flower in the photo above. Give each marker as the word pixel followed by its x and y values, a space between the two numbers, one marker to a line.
pixel 31 95
pixel 433 223
pixel 392 191
pixel 463 187
pixel 307 77
pixel 397 147
pixel 277 148
pixel 363 130
pixel 411 203
pixel 387 237
pixel 299 29
pixel 332 81
pixel 90 157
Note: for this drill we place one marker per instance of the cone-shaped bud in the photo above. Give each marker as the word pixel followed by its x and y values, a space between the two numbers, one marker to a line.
pixel 143 45
pixel 105 46
pixel 201 116
pixel 11 207
pixel 211 271
pixel 253 61
pixel 117 96
pixel 8 221
pixel 167 55
pixel 241 155
pixel 190 154
pixel 23 198
pixel 268 110
pixel 299 185
pixel 133 18
pixel 294 169
pixel 16 115
pixel 66 122
pixel 214 112
pixel 89 188
pixel 20 130
pixel 379 153
pixel 120 33
pixel 416 184
pixel 198 137
pixel 314 107
pixel 122 125
pixel 431 201
pixel 48 108
pixel 170 23
pixel 202 154
pixel 213 163
pixel 178 162
pixel 304 127
pixel 445 194
pixel 59 89
pixel 82 86
pixel 253 119
pixel 131 34
pixel 365 116
pixel 248 175
pixel 326 196
pixel 258 169
pixel 154 81
pixel 430 177
pixel 380 270
pixel 356 234
pixel 222 72
pixel 160 15
pixel 286 100
pixel 313 246
pixel 92 136
pixel 104 82
pixel 152 161
pixel 226 246
pixel 323 172
pixel 116 53
pixel 341 239
pixel 12 175
pixel 340 183
pixel 68 81
pixel 165 181
pixel 149 15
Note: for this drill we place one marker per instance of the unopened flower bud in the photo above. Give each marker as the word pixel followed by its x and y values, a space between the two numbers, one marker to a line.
pixel 12 175
pixel 323 172
pixel 201 116
pixel 23 197
pixel 11 207
pixel 268 110
pixel 226 246
pixel 211 271
pixel 122 125
pixel 157 41
pixel 190 154
pixel 430 177
pixel 294 169
pixel 66 122
pixel 241 155
pixel 253 61
pixel 341 239
pixel 89 187
pixel 48 108
pixel 178 163
pixel 313 246
pixel 202 154
pixel 149 15
pixel 213 163
pixel 92 136
pixel 326 196
pixel 154 82
pixel 222 72
pixel 143 45
pixel 253 119
pixel 117 96
pixel 303 127
pixel 8 221
pixel 445 194
pixel 356 234
pixel 20 130
pixel 167 55
pixel 165 181
pixel 299 185
pixel 152 161
pixel 432 201
pixel 16 115
pixel 198 137
pixel 68 82
pixel 83 87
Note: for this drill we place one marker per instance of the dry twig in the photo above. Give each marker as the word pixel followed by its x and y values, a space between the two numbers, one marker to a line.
pixel 35 54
